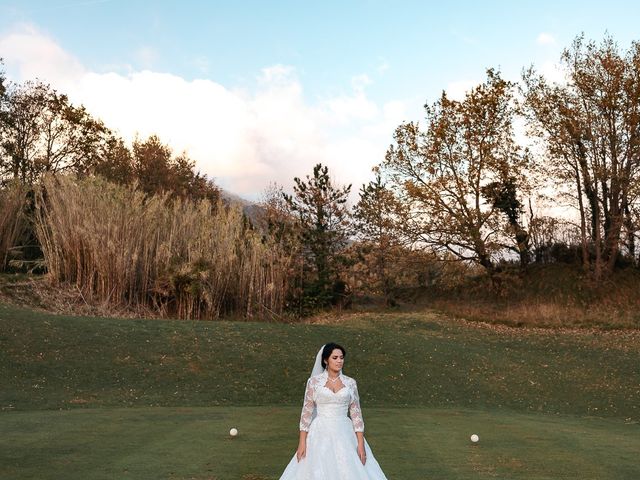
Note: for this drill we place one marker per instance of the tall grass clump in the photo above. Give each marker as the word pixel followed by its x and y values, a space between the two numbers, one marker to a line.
pixel 177 257
pixel 13 221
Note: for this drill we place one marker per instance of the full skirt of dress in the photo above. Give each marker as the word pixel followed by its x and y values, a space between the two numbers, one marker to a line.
pixel 332 454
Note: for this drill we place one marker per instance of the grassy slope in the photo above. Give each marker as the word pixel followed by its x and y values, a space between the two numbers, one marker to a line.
pixel 417 359
pixel 550 296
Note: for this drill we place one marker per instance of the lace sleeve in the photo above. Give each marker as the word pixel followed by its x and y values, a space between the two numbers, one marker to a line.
pixel 354 410
pixel 307 408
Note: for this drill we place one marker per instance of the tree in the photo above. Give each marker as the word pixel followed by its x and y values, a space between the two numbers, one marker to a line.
pixel 152 164
pixel 116 162
pixel 503 196
pixel 3 117
pixel 590 127
pixel 21 128
pixel 323 220
pixel 631 222
pixel 44 133
pixel 375 219
pixel 201 187
pixel 157 170
pixel 440 173
pixel 3 88
pixel 281 233
pixel 3 91
pixel 277 220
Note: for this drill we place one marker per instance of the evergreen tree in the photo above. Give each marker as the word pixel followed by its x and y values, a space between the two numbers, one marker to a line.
pixel 376 215
pixel 323 219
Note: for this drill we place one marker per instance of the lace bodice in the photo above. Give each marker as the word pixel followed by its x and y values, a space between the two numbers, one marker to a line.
pixel 329 404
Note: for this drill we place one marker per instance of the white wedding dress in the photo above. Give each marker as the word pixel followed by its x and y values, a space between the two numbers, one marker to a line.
pixel 332 452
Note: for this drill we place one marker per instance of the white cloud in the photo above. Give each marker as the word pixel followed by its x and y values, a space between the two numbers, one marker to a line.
pixel 545 39
pixel 244 139
pixel 346 108
pixel 554 72
pixel 458 90
pixel 34 55
pixel 370 141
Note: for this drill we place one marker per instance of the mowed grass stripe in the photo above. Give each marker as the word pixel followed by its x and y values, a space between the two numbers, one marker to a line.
pixel 410 443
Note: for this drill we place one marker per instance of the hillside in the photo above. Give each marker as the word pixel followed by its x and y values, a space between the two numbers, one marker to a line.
pixel 545 295
pixel 412 359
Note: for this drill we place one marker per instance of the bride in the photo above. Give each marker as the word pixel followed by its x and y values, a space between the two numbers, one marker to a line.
pixel 332 446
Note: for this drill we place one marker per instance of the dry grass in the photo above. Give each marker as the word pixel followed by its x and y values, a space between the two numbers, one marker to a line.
pixel 35 292
pixel 13 221
pixel 539 313
pixel 547 296
pixel 174 257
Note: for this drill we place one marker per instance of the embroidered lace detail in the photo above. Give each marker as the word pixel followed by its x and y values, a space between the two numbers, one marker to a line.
pixel 354 409
pixel 307 406
pixel 328 398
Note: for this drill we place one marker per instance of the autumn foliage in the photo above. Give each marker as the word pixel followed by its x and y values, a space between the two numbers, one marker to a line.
pixel 512 176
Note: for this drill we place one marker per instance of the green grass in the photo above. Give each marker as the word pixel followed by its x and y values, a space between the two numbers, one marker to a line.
pixel 409 443
pixel 52 362
pixel 113 398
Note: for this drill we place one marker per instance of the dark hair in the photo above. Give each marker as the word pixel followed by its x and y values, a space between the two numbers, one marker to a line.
pixel 326 352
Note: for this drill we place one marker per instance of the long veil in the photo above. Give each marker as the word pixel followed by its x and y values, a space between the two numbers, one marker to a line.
pixel 316 370
pixel 317 367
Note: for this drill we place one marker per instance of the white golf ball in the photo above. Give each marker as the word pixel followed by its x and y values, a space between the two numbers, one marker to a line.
pixel 233 432
pixel 475 438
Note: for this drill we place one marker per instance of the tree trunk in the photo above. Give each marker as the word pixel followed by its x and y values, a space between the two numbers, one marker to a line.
pixel 612 241
pixel 583 223
pixel 630 232
pixel 522 240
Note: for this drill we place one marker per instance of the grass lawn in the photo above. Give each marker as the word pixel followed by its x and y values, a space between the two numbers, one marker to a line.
pixel 409 443
pixel 114 398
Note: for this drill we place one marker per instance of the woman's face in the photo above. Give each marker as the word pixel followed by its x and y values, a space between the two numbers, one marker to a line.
pixel 335 360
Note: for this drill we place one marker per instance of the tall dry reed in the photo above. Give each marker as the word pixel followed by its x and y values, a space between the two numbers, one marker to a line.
pixel 177 257
pixel 13 221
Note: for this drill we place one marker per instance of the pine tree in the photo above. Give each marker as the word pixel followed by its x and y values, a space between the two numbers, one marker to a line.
pixel 323 220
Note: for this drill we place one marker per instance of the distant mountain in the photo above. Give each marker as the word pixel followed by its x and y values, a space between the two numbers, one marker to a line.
pixel 234 198
pixel 252 210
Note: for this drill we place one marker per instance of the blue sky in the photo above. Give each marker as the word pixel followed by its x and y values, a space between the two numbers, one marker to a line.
pixel 260 91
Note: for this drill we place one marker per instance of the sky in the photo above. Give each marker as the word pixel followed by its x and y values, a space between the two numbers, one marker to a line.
pixel 258 92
